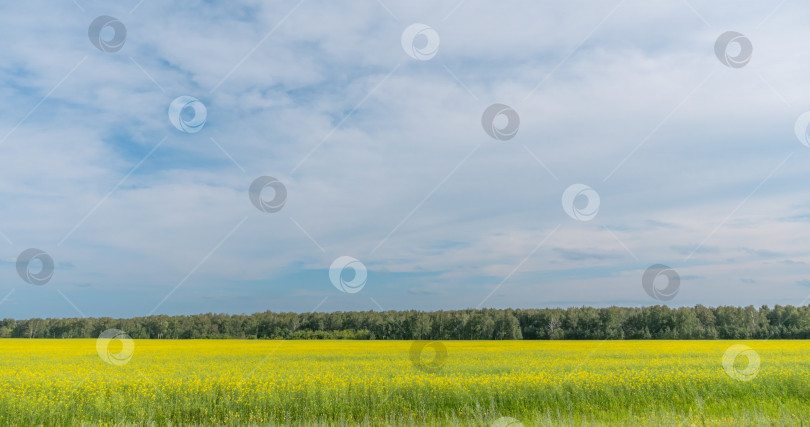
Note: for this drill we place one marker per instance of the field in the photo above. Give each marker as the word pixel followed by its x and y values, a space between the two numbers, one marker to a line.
pixel 61 382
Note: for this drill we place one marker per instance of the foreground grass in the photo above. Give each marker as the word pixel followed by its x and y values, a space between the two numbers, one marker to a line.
pixel 61 382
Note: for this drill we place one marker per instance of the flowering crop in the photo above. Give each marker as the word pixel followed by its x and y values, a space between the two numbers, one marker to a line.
pixel 60 382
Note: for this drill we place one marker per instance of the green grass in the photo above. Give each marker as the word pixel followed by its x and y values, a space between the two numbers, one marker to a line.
pixel 230 382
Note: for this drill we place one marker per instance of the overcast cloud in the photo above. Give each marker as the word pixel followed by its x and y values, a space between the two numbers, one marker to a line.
pixel 384 157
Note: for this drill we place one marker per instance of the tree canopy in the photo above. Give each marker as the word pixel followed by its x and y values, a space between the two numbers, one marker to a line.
pixel 655 322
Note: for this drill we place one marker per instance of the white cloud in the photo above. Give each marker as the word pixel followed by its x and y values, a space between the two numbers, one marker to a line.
pixel 391 135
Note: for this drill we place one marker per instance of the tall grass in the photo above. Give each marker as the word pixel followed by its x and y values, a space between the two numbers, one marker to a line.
pixel 65 382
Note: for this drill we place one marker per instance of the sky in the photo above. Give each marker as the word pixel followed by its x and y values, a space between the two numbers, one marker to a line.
pixel 302 155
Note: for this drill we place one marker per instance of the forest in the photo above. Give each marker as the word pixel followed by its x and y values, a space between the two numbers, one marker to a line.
pixel 582 323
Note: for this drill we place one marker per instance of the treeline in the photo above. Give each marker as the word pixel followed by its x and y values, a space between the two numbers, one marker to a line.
pixel 657 322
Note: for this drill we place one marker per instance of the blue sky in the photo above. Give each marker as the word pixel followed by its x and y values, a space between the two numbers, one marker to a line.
pixel 384 158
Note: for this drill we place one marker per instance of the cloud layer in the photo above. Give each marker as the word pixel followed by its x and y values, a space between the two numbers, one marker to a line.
pixel 384 157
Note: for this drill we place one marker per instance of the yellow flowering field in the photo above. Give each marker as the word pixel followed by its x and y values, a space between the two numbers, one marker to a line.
pixel 236 382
